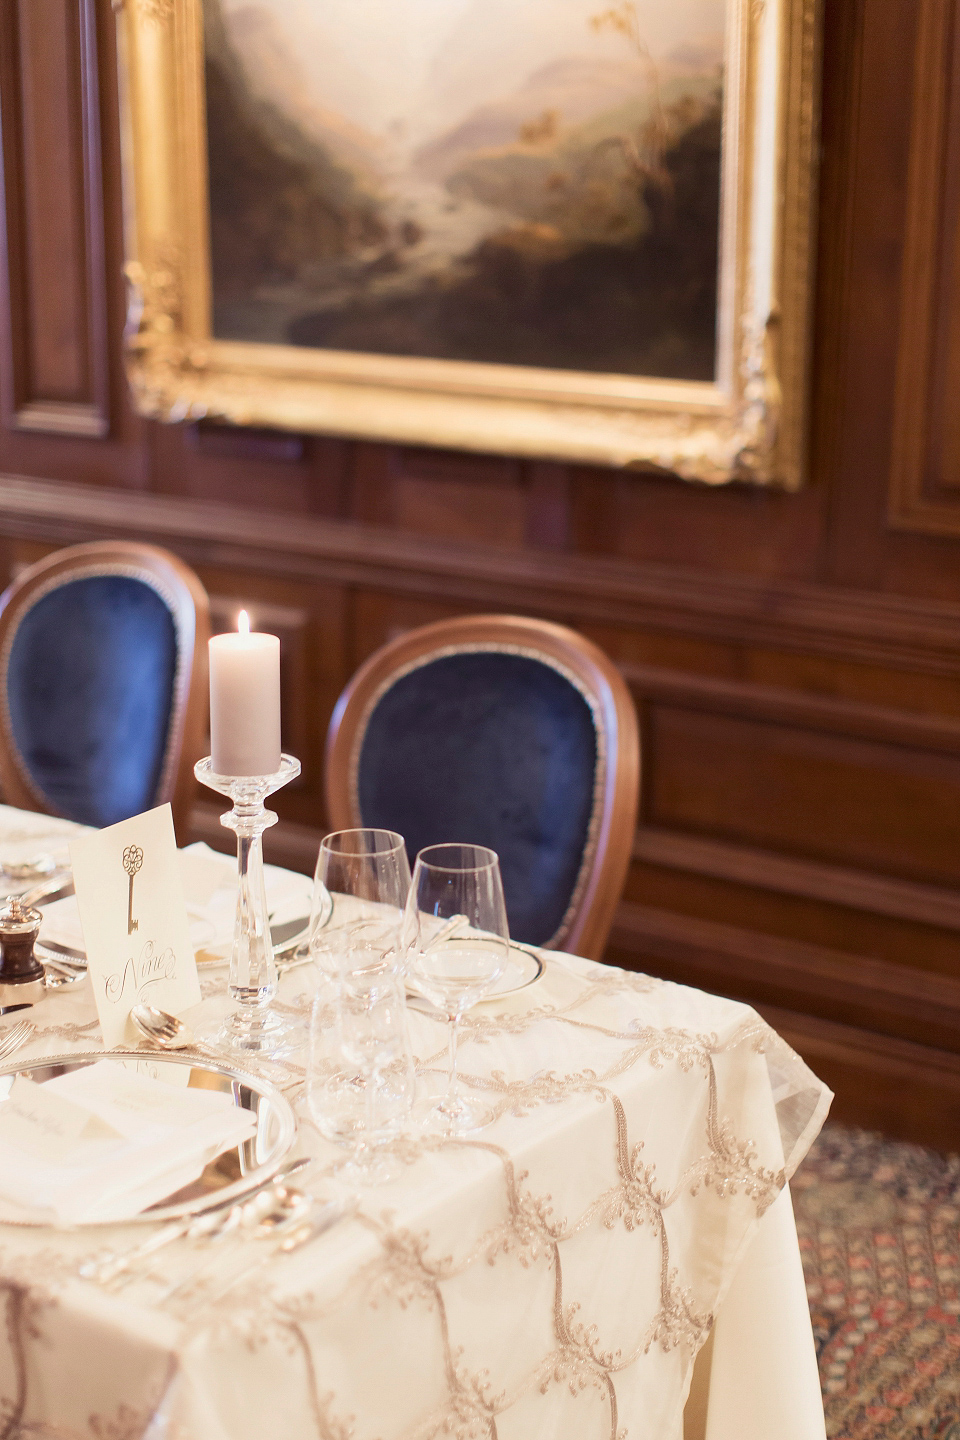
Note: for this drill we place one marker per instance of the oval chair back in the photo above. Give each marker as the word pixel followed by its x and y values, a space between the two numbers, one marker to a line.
pixel 102 683
pixel 502 731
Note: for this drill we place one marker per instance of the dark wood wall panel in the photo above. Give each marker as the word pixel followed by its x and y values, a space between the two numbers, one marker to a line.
pixel 806 793
pixel 795 659
pixel 55 376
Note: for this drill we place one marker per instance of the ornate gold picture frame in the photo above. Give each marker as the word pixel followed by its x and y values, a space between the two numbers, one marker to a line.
pixel 746 423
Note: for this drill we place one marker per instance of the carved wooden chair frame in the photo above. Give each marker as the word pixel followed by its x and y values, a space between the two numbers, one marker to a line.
pixel 586 923
pixel 186 599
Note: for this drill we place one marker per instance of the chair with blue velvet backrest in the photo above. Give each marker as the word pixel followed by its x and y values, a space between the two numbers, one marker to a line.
pixel 103 653
pixel 501 731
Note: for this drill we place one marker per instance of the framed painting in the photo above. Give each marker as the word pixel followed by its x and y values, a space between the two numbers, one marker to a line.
pixel 577 229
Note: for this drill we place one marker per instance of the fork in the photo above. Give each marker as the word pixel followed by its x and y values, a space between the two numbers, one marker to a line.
pixel 12 1039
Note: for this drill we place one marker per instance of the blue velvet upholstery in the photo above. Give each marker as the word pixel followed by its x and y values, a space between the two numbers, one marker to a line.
pixel 492 749
pixel 90 684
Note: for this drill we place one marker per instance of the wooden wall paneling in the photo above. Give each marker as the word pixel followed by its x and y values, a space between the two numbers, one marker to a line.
pixel 831 622
pixel 879 996
pixel 855 890
pixel 549 505
pixel 888 808
pixel 705 887
pixel 656 520
pixel 54 376
pixel 379 616
pixel 812 776
pixel 925 462
pixel 233 465
pixel 869 100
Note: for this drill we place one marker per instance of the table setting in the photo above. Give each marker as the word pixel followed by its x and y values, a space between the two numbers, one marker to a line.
pixel 338 1158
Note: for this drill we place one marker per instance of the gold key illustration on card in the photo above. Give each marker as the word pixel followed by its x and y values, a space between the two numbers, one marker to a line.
pixel 132 860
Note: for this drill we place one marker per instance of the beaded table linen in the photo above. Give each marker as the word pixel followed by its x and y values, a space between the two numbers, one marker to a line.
pixel 553 1275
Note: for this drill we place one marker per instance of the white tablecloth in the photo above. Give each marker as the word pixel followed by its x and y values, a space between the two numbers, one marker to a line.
pixel 553 1277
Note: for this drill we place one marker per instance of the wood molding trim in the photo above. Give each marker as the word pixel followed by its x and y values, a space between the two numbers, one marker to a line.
pixel 863 627
pixel 731 960
pixel 833 885
pixel 777 705
pixel 917 498
pixel 78 403
pixel 896 1086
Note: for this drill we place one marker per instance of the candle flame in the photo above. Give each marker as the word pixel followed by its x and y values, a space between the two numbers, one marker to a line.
pixel 243 623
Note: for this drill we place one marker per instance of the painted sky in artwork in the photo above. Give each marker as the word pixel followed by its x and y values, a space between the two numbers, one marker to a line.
pixel 422 64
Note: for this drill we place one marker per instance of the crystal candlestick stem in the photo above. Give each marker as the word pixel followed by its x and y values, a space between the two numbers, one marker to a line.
pixel 254 1027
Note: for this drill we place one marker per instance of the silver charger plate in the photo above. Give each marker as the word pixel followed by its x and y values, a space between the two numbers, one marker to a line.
pixel 524 968
pixel 230 1176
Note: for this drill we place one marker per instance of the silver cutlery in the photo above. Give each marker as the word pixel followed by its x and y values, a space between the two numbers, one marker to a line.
pixel 56 977
pixel 55 888
pixel 291 1207
pixel 162 1028
pixel 11 1040
pixel 107 1269
pixel 310 1229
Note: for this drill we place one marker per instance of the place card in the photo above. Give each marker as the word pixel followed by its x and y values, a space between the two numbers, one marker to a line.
pixel 135 927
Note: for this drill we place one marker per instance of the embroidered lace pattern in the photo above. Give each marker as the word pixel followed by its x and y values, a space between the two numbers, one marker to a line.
pixel 643 1135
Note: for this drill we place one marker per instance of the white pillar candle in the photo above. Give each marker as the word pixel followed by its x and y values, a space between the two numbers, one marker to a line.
pixel 245 702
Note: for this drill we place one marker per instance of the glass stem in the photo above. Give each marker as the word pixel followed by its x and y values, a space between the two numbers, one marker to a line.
pixel 453 1084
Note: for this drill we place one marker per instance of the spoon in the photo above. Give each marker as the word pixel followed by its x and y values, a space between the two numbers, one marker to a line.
pixel 161 1027
pixel 286 1208
pixel 118 1267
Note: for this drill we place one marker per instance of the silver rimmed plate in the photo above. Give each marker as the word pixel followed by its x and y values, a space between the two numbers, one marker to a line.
pixel 524 968
pixel 230 1175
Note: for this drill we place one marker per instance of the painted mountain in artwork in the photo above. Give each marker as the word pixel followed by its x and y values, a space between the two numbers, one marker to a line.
pixel 560 214
pixel 273 75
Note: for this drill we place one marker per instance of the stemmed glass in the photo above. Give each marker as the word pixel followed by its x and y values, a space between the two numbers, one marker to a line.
pixel 360 1077
pixel 359 889
pixel 457 942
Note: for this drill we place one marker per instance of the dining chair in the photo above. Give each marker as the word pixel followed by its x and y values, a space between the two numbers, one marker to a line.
pixel 502 731
pixel 103 662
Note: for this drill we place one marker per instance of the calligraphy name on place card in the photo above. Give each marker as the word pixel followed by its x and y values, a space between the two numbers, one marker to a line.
pixel 140 973
pixel 135 927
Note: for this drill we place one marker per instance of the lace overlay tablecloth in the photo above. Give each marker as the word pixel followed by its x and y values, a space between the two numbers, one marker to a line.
pixel 552 1276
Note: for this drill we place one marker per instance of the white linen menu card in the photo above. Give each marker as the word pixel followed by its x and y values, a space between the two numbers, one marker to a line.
pixel 135 928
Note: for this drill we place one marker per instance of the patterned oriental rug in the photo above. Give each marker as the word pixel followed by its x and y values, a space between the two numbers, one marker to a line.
pixel 879 1226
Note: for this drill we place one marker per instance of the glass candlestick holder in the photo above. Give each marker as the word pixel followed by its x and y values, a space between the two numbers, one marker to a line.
pixel 254 1027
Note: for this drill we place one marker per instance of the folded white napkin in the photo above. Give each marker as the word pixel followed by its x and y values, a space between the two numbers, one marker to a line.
pixel 210 891
pixel 105 1142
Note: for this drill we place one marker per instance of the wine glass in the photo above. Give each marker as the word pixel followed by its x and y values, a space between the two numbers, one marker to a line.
pixel 359 889
pixel 456 941
pixel 360 1077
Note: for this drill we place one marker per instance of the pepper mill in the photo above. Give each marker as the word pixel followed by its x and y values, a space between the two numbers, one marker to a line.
pixel 21 974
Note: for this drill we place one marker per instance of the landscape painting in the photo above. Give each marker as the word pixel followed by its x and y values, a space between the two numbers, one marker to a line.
pixel 517 182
